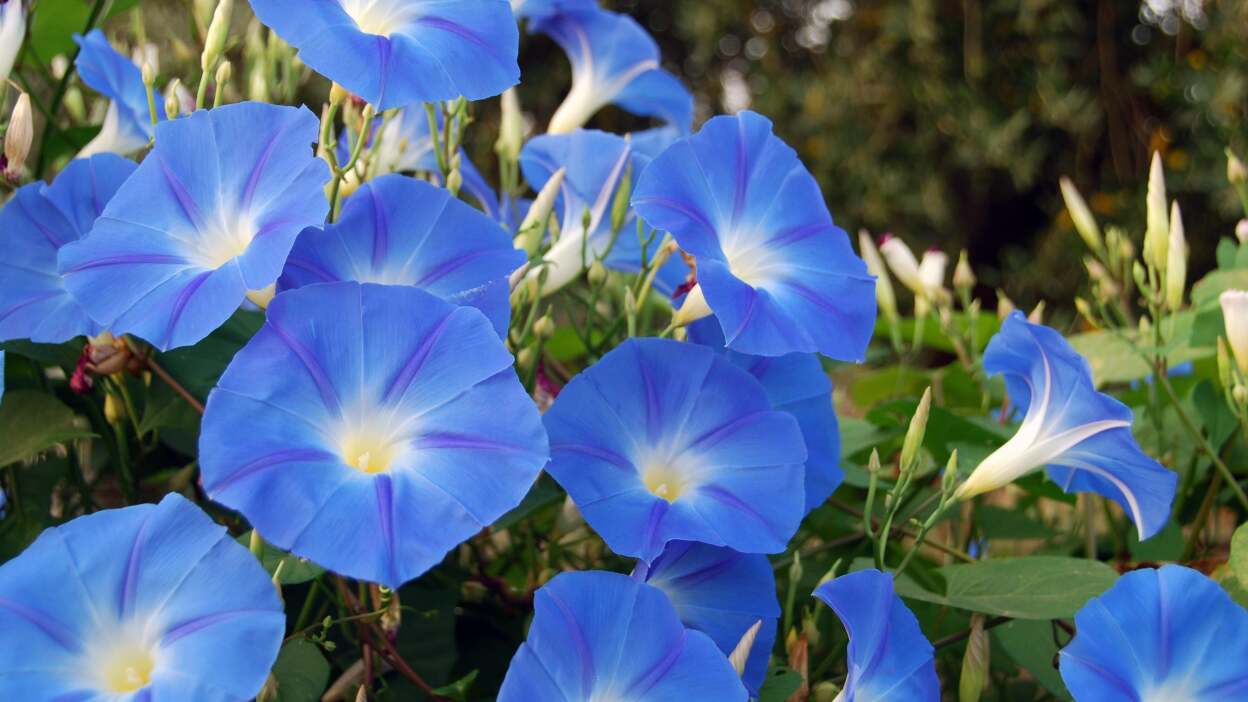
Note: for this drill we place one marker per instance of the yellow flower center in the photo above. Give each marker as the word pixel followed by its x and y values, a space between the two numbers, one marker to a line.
pixel 128 669
pixel 369 452
pixel 662 481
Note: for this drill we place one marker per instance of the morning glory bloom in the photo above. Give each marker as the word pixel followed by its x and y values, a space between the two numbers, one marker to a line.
pixel 889 658
pixel 210 214
pixel 723 594
pixel 1168 635
pixel 150 602
pixel 1083 436
pixel 398 230
pixel 614 61
pixel 34 225
pixel 775 271
pixel 128 122
pixel 370 429
pixel 596 164
pixel 796 384
pixel 663 441
pixel 394 53
pixel 12 32
pixel 602 637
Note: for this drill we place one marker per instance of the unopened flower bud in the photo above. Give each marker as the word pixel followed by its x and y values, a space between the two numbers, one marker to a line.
pixel 825 692
pixel 1005 306
pixel 1140 275
pixel 114 410
pixel 12 32
pixel 218 33
pixel 1037 314
pixel 526 357
pixel 1241 231
pixel 963 275
pixel 1240 395
pixel 1235 314
pixel 885 297
pixel 1176 266
pixel 1157 235
pixel 623 197
pixel 901 262
pixel 1085 311
pixel 455 181
pixel 873 463
pixel 338 94
pixel 741 654
pixel 949 479
pixel 511 127
pixel 224 73
pixel 18 138
pixel 1236 173
pixel 975 664
pixel 915 433
pixel 1085 223
pixel 1226 372
pixel 148 72
pixel 173 105
pixel 597 273
pixel 544 328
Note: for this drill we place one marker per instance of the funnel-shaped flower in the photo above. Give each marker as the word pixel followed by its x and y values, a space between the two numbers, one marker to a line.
pixel 1083 436
pixel 12 32
pixel 614 61
pixel 596 164
pixel 605 636
pixel 128 122
pixel 1165 635
pixel 539 8
pixel 34 225
pixel 407 146
pixel 772 267
pixel 796 384
pixel 722 593
pixel 889 658
pixel 663 441
pixel 398 230
pixel 394 53
pixel 370 429
pixel 211 213
pixel 150 602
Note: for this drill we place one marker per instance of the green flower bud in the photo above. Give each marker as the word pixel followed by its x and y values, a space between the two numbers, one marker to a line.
pixel 1176 266
pixel 975 663
pixel 1157 236
pixel 218 34
pixel 915 433
pixel 1085 223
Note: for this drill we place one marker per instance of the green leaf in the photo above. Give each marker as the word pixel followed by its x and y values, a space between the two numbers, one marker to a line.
pixel 545 492
pixel 56 21
pixel 779 685
pixel 1113 359
pixel 295 570
pixel 1207 289
pixel 1033 587
pixel 32 422
pixel 1030 645
pixel 302 673
pixel 1000 523
pixel 1239 555
pixel 458 690
pixel 199 367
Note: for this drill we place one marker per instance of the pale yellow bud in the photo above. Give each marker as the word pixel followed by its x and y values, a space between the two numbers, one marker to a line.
pixel 218 34
pixel 885 297
pixel 19 137
pixel 963 274
pixel 1176 266
pixel 1157 236
pixel 1085 223
pixel 511 127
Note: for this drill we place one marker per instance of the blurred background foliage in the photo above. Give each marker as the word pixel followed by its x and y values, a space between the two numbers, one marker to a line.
pixel 949 122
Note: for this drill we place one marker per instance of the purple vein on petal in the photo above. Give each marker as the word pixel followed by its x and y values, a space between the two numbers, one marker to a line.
pixel 191 626
pixel 579 644
pixel 268 461
pixel 643 684
pixel 415 362
pixel 326 389
pixel 385 514
pixel 130 581
pixel 45 623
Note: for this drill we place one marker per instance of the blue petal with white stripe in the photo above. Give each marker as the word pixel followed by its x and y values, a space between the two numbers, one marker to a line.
pixel 128 123
pixel 1083 436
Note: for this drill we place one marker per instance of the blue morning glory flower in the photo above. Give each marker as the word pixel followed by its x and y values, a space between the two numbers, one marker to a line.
pixel 398 230
pixel 371 428
pixel 210 214
pixel 614 61
pixel 394 53
pixel 1083 436
pixel 662 441
pixel 34 225
pixel 889 658
pixel 723 594
pixel 128 122
pixel 775 271
pixel 596 164
pixel 538 8
pixel 1159 636
pixel 151 602
pixel 605 636
pixel 796 384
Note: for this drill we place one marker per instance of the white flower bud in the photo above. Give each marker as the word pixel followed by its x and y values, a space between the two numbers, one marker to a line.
pixel 218 34
pixel 19 137
pixel 533 228
pixel 902 262
pixel 1157 236
pixel 1085 223
pixel 1235 314
pixel 1241 231
pixel 511 128
pixel 1176 266
pixel 12 32
pixel 963 274
pixel 885 297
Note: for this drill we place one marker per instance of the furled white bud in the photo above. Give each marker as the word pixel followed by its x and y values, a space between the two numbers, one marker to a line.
pixel 963 274
pixel 901 262
pixel 12 32
pixel 218 34
pixel 1157 235
pixel 18 138
pixel 884 294
pixel 1085 223
pixel 511 128
pixel 1235 315
pixel 1236 173
pixel 533 228
pixel 1176 266
pixel 741 654
pixel 1241 231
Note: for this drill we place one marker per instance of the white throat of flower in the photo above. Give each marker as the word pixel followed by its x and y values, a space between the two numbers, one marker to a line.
pixel 121 659
pixel 380 17
pixel 1035 446
pixel 112 139
pixel 228 238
